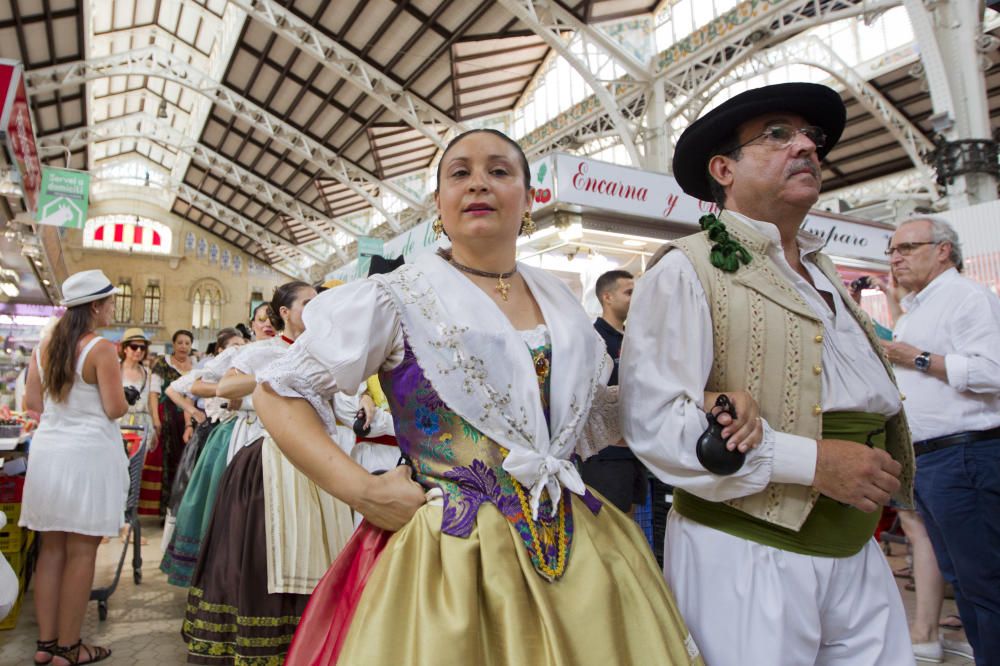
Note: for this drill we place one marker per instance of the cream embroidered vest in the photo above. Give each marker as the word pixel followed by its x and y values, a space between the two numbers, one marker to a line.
pixel 769 342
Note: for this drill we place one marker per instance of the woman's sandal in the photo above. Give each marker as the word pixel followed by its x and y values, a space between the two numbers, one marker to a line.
pixel 49 647
pixel 72 653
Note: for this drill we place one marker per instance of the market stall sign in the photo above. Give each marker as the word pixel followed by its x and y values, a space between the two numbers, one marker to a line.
pixel 16 132
pixel 63 199
pixel 569 179
pixel 844 238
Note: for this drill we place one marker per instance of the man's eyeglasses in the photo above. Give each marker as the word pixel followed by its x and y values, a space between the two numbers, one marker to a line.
pixel 781 135
pixel 135 347
pixel 906 249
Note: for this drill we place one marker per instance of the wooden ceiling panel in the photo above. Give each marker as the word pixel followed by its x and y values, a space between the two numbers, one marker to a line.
pixel 266 80
pixel 66 37
pixel 241 69
pixel 281 50
pixel 234 147
pixel 257 35
pixel 417 54
pixel 308 104
pixel 596 11
pixel 326 79
pixel 364 29
pixel 280 99
pixel 266 162
pixel 432 77
pixel 493 23
pixel 322 122
pixel 348 128
pixel 386 42
pixel 37 44
pixel 9 43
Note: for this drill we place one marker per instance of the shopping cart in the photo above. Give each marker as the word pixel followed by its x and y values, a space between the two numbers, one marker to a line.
pixel 134 437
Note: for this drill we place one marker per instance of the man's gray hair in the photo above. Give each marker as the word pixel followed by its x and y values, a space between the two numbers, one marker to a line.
pixel 941 232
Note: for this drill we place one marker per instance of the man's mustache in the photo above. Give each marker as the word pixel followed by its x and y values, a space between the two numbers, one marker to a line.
pixel 803 165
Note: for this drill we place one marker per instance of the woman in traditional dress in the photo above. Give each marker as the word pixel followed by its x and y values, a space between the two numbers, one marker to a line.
pixel 495 379
pixel 272 533
pixel 77 481
pixel 194 490
pixel 168 421
pixel 216 410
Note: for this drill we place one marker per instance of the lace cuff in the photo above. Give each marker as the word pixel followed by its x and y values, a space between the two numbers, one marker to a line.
pixel 285 377
pixel 603 427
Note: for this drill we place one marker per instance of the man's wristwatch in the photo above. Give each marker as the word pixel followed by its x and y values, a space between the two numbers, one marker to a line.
pixel 922 362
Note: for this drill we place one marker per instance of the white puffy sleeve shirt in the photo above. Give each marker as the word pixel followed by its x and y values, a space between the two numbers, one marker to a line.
pixel 351 333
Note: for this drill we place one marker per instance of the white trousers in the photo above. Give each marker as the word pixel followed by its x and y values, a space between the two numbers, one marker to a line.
pixel 750 604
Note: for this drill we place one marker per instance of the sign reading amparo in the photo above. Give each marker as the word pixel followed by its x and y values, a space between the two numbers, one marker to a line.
pixel 63 199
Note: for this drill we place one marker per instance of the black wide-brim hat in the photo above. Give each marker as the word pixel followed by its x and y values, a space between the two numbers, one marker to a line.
pixel 819 105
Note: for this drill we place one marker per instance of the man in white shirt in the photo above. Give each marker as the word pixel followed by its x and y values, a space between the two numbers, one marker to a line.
pixel 947 357
pixel 773 564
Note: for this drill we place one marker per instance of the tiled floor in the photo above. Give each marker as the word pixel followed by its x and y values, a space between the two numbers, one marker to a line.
pixel 143 625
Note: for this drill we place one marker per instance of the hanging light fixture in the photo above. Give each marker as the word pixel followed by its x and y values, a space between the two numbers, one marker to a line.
pixel 9 283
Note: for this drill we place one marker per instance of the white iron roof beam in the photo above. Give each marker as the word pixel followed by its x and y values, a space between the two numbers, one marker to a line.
pixel 411 109
pixel 526 11
pixel 139 126
pixel 155 62
pixel 688 76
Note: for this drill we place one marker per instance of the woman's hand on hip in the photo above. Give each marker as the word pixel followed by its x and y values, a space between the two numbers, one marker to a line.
pixel 391 499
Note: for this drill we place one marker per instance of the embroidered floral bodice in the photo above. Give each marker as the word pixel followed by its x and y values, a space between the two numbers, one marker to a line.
pixel 450 454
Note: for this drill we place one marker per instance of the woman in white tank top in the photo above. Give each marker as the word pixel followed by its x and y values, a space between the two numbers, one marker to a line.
pixel 77 481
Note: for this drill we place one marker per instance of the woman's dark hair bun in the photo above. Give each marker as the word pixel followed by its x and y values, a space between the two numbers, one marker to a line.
pixel 284 296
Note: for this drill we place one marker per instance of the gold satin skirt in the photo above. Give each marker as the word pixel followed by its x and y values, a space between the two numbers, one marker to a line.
pixel 439 600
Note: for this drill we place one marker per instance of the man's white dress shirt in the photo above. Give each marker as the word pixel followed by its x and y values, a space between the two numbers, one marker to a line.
pixel 960 320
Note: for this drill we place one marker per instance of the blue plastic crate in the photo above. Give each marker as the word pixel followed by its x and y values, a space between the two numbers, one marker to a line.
pixel 644 517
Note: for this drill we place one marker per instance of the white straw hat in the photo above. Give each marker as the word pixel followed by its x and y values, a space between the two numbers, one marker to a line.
pixel 86 286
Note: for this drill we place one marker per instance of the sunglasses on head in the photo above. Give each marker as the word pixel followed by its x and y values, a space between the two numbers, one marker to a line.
pixel 136 347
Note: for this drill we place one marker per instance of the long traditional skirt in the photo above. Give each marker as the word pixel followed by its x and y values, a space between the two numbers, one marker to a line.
pixel 185 469
pixel 230 617
pixel 171 445
pixel 195 510
pixel 152 480
pixel 430 599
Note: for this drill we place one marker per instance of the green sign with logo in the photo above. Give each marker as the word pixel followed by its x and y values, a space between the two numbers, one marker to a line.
pixel 62 201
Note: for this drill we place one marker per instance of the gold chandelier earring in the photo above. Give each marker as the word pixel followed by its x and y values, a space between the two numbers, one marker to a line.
pixel 438 228
pixel 527 224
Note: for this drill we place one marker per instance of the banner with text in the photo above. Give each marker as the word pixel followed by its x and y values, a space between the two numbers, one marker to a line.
pixel 16 132
pixel 569 179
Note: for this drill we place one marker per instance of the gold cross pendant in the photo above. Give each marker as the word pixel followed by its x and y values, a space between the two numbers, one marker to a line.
pixel 503 288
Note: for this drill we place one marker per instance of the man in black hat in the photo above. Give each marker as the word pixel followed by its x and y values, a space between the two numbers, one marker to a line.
pixel 774 563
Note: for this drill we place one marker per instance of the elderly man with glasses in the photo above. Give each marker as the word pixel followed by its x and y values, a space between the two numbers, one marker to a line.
pixel 947 357
pixel 775 562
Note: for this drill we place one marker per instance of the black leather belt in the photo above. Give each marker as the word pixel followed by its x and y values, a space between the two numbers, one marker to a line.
pixel 967 437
